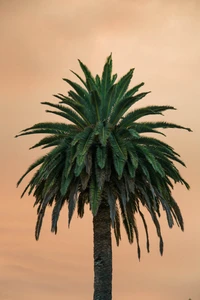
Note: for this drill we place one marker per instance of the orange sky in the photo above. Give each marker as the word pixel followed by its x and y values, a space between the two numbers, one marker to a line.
pixel 40 41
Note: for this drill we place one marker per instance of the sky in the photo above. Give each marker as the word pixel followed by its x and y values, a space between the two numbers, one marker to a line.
pixel 41 41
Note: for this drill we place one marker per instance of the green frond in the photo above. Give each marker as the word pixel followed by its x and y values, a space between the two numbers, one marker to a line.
pixel 57 127
pixel 155 125
pixel 96 102
pixel 39 131
pixel 79 89
pixel 85 142
pixel 87 108
pixel 30 184
pixel 101 156
pixel 126 222
pixel 122 196
pixel 98 81
pixel 134 225
pixel 69 160
pixel 146 230
pixel 39 224
pixel 133 157
pixel 106 76
pixel 109 102
pixel 49 140
pixel 143 195
pixel 130 183
pixel 66 113
pixel 133 133
pixel 151 159
pixel 142 112
pixel 114 78
pixel 65 182
pixel 52 144
pixel 143 128
pixel 81 135
pixel 168 155
pixel 118 146
pixel 158 229
pixel 121 108
pixel 133 90
pixel 77 107
pixel 52 183
pixel 56 213
pixel 32 166
pixel 104 134
pixel 79 77
pixel 177 213
pixel 79 167
pixel 123 84
pixel 149 141
pixel 90 81
pixel 41 213
pixel 119 165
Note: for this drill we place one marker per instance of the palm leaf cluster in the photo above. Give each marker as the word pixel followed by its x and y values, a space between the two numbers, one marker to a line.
pixel 101 153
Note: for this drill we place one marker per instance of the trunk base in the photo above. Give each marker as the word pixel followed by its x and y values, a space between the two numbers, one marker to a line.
pixel 102 254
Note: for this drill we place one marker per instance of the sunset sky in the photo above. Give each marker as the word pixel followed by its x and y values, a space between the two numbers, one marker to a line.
pixel 41 41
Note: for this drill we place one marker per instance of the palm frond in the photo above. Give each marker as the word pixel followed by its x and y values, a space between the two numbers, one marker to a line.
pixel 155 125
pixel 90 81
pixel 32 166
pixel 53 139
pixel 123 84
pixel 101 156
pixel 133 90
pixel 66 113
pixel 146 230
pixel 121 107
pixel 106 77
pixel 142 112
pixel 56 213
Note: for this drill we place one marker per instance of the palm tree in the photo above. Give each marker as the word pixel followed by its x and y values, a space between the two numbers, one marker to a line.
pixel 102 158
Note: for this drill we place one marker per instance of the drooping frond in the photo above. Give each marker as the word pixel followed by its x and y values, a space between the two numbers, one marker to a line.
pixel 33 166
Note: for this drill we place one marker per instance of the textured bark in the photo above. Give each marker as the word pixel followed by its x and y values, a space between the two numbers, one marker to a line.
pixel 102 254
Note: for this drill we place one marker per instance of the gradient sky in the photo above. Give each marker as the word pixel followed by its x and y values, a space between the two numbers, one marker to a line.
pixel 40 41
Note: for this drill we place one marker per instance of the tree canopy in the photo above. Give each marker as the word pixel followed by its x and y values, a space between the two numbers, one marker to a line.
pixel 103 151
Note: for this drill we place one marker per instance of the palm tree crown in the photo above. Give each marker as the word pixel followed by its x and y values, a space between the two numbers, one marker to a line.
pixel 103 155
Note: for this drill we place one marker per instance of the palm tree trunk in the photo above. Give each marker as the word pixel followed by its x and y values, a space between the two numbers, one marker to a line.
pixel 102 254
